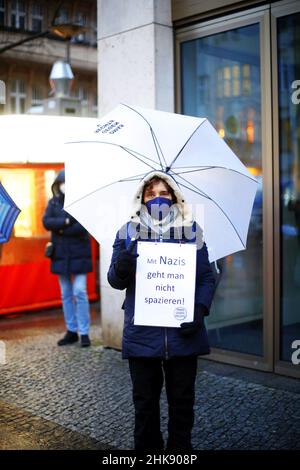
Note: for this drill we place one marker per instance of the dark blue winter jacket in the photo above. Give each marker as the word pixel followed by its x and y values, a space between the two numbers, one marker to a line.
pixel 146 341
pixel 71 242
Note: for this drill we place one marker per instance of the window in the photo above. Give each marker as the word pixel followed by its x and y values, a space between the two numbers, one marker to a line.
pixel 233 81
pixel 17 97
pixel 37 96
pixel 95 105
pixel 2 92
pixel 94 30
pixel 81 19
pixel 37 17
pixel 2 13
pixel 82 93
pixel 18 14
pixel 203 88
pixel 246 80
pixel 236 80
pixel 63 16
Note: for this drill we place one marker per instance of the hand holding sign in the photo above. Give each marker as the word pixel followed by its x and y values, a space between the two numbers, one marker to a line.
pixel 126 262
pixel 189 328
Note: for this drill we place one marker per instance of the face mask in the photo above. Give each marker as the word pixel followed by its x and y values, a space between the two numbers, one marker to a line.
pixel 158 207
pixel 62 188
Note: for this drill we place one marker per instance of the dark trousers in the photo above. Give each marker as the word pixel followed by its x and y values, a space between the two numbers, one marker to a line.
pixel 147 375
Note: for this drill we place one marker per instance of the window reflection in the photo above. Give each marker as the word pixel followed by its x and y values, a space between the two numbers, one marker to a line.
pixel 289 138
pixel 220 78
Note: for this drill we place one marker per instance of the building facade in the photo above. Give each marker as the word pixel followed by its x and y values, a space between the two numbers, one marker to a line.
pixel 237 63
pixel 25 69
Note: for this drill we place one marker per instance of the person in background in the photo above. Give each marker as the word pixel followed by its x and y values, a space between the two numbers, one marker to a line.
pixel 71 260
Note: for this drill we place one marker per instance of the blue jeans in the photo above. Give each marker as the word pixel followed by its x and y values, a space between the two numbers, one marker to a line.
pixel 75 303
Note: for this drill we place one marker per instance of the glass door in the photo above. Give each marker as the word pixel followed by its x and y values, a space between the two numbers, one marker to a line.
pixel 222 77
pixel 286 92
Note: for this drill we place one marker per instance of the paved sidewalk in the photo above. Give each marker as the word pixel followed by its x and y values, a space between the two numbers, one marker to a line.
pixel 75 398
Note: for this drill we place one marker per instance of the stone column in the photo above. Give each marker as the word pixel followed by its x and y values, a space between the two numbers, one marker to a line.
pixel 136 67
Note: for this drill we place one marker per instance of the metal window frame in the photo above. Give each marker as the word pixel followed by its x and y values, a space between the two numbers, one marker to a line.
pixel 260 15
pixel 17 94
pixel 37 16
pixel 15 11
pixel 283 8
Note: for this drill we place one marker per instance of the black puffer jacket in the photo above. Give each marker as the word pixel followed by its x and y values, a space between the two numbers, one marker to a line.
pixel 71 242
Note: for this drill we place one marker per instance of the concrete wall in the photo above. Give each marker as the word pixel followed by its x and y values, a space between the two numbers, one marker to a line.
pixel 135 48
pixel 136 66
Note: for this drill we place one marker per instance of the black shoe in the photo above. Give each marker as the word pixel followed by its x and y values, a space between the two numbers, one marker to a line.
pixel 85 341
pixel 69 338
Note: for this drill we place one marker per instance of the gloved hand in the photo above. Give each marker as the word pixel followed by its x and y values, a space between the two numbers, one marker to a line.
pixel 189 328
pixel 126 261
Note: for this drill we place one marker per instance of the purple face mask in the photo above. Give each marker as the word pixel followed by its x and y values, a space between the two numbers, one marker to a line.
pixel 158 207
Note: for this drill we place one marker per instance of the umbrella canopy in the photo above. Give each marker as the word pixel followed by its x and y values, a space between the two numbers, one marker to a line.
pixel 104 166
pixel 8 214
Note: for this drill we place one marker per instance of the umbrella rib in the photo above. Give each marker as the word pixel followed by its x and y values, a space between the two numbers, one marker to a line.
pixel 5 196
pixel 133 154
pixel 124 180
pixel 197 191
pixel 157 143
pixel 134 178
pixel 8 222
pixel 152 134
pixel 145 163
pixel 11 218
pixel 110 143
pixel 8 214
pixel 199 168
pixel 92 192
pixel 174 160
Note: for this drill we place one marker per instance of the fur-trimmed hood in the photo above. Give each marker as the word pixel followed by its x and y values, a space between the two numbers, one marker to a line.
pixel 60 178
pixel 185 218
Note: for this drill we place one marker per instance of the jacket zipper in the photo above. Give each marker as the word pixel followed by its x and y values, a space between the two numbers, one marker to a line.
pixel 166 344
pixel 166 335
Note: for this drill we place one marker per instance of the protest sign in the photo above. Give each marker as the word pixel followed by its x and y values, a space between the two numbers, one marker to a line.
pixel 165 284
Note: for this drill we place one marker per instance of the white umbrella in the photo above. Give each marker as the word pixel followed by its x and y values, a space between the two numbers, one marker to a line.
pixel 105 164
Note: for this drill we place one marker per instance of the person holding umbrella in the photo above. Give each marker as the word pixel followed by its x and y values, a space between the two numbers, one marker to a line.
pixel 71 260
pixel 160 213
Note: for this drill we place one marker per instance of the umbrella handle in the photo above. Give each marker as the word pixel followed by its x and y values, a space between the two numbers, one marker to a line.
pixel 131 245
pixel 216 267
